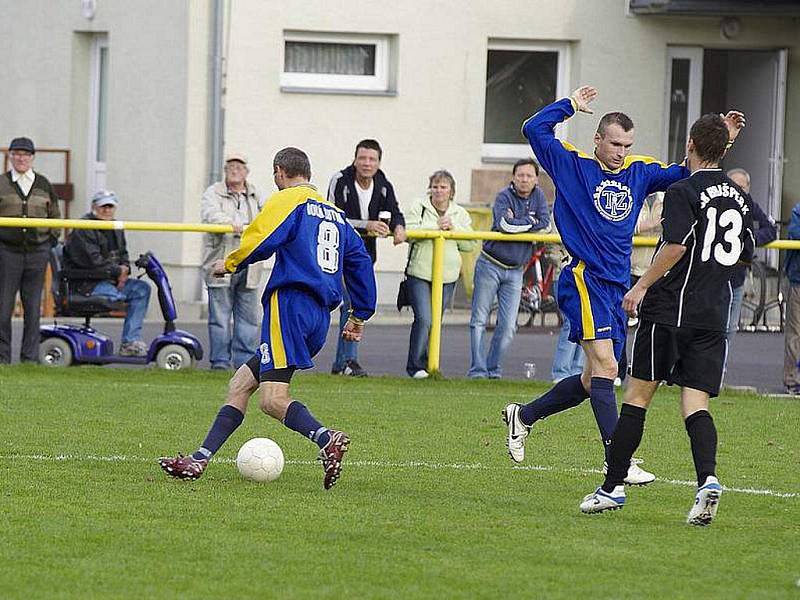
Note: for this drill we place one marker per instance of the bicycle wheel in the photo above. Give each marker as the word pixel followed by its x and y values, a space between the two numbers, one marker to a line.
pixel 755 288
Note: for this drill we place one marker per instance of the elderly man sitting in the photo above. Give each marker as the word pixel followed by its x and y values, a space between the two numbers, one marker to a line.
pixel 96 264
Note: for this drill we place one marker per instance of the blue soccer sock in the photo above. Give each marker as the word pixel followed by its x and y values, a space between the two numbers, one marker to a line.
pixel 604 405
pixel 228 419
pixel 567 393
pixel 298 418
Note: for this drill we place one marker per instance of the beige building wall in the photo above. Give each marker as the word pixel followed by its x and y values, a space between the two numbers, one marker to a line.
pixel 436 118
pixel 159 90
pixel 157 122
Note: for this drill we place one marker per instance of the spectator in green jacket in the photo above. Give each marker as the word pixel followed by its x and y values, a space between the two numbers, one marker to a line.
pixel 438 210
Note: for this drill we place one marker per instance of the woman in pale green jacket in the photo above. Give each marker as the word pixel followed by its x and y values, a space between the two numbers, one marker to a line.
pixel 437 211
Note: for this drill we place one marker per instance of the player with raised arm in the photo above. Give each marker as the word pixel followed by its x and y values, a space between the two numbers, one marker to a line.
pixel 685 299
pixel 598 199
pixel 314 247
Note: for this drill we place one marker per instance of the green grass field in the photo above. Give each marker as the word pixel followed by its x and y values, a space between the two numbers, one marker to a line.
pixel 429 504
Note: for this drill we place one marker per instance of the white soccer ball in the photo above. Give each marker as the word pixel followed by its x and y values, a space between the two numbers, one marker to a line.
pixel 260 459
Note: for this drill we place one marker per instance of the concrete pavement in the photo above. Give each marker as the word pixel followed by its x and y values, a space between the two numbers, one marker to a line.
pixel 755 359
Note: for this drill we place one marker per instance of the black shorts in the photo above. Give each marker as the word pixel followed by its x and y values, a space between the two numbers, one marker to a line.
pixel 278 375
pixel 681 356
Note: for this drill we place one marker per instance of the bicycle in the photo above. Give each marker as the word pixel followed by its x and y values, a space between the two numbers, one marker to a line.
pixel 536 297
pixel 756 306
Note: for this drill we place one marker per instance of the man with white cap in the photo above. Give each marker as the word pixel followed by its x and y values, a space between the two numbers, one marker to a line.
pixel 234 304
pixel 96 264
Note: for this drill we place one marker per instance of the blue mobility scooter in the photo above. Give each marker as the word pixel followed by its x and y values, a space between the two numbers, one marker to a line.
pixel 63 344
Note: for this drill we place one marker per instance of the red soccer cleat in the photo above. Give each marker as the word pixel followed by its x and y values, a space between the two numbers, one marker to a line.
pixel 331 457
pixel 183 467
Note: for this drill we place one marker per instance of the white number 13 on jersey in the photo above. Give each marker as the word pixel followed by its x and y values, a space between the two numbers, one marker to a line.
pixel 731 221
pixel 328 247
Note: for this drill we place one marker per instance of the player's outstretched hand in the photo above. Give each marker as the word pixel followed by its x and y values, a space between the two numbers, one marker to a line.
pixel 631 301
pixel 218 268
pixel 735 122
pixel 582 97
pixel 353 330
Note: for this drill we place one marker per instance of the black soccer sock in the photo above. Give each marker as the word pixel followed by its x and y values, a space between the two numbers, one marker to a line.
pixel 703 435
pixel 626 439
pixel 228 419
pixel 604 405
pixel 565 394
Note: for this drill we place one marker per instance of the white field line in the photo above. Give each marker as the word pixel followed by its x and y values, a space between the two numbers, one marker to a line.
pixel 412 464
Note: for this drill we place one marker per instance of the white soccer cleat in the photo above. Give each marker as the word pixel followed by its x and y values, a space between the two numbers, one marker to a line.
pixel 517 432
pixel 636 474
pixel 421 374
pixel 706 503
pixel 601 501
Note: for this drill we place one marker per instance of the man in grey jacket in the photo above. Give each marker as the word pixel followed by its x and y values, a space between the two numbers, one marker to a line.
pixel 234 307
pixel 521 207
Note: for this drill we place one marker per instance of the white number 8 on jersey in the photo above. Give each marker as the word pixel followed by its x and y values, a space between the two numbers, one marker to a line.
pixel 328 247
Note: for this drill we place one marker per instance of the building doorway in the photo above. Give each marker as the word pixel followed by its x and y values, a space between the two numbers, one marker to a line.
pixel 703 80
pixel 98 115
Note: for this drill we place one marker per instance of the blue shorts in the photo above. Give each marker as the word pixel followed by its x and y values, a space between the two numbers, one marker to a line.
pixel 593 307
pixel 293 331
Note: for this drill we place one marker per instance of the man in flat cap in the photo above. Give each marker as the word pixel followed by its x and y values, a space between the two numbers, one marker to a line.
pixel 24 251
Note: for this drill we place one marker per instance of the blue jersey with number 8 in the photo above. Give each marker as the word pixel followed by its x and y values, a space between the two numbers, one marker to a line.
pixel 314 248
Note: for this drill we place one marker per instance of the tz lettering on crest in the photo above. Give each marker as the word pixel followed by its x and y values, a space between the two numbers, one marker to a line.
pixel 613 200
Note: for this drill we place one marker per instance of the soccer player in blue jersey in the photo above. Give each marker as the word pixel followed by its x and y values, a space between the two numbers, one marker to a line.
pixel 598 199
pixel 684 301
pixel 314 247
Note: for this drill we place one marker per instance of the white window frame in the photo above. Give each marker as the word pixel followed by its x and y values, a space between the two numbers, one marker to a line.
pixel 96 171
pixel 694 54
pixel 511 152
pixel 379 82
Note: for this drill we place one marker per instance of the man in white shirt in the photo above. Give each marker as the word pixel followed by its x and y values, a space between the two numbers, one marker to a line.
pixel 24 251
pixel 367 198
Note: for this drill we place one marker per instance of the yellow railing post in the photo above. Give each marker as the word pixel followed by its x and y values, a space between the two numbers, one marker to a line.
pixel 437 275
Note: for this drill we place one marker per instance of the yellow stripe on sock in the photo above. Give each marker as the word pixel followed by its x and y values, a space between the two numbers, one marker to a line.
pixel 275 335
pixel 587 319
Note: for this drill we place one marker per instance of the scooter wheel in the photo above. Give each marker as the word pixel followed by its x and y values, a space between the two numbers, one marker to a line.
pixel 173 357
pixel 55 352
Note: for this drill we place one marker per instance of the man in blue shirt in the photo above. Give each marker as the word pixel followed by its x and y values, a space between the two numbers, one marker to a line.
pixel 314 247
pixel 519 208
pixel 598 199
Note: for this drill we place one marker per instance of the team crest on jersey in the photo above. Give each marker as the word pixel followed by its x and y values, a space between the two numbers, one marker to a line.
pixel 613 200
pixel 264 349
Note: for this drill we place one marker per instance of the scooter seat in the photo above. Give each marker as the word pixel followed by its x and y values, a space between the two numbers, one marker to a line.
pixel 78 305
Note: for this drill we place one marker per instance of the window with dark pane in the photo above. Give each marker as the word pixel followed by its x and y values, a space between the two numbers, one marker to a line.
pixel 678 109
pixel 518 83
pixel 332 59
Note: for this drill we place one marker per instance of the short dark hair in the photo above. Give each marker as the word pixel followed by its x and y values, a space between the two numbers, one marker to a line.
pixel 293 161
pixel 710 136
pixel 525 161
pixel 369 145
pixel 614 118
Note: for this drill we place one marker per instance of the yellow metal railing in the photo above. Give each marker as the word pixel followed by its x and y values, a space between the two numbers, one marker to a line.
pixel 438 237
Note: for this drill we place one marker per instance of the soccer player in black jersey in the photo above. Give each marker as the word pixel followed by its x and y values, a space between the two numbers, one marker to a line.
pixel 683 302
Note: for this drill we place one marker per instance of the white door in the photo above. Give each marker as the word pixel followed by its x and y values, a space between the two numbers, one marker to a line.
pixel 684 93
pixel 98 115
pixel 756 85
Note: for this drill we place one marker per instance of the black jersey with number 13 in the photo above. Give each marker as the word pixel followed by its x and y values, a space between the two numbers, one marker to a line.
pixel 710 215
